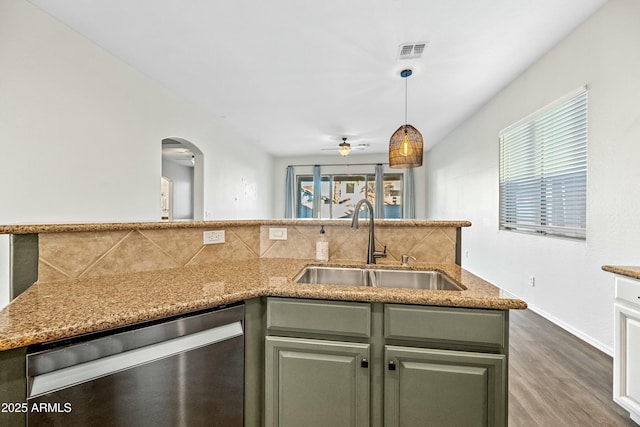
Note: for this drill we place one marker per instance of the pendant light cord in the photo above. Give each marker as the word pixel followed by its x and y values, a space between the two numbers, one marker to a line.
pixel 405 75
pixel 406 84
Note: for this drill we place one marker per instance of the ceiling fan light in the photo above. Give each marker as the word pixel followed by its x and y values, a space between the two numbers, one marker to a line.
pixel 405 148
pixel 344 149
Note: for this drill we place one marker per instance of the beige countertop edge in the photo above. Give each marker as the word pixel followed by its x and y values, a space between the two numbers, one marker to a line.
pixel 57 310
pixel 126 317
pixel 624 270
pixel 167 225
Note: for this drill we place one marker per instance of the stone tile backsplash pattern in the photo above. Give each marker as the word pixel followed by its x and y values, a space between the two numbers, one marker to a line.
pixel 91 254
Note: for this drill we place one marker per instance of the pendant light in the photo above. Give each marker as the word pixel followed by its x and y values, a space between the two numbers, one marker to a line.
pixel 344 147
pixel 405 146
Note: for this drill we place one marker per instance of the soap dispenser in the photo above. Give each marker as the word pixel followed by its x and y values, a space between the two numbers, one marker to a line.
pixel 322 247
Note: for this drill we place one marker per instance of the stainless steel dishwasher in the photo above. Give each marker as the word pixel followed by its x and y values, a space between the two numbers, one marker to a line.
pixel 185 371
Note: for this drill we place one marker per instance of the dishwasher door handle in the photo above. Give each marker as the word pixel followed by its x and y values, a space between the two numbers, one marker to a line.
pixel 78 374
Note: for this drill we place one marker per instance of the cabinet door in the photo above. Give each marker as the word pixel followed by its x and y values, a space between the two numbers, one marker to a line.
pixel 316 383
pixel 626 366
pixel 425 387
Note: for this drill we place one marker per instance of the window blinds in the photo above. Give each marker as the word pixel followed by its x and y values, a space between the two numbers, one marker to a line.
pixel 543 170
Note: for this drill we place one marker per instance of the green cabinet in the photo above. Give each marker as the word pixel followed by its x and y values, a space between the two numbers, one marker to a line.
pixel 316 383
pixel 373 364
pixel 443 388
pixel 317 373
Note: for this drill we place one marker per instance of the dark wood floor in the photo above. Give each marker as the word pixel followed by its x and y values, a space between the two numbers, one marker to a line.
pixel 557 380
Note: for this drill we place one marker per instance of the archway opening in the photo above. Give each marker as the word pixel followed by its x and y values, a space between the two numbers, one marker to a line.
pixel 182 183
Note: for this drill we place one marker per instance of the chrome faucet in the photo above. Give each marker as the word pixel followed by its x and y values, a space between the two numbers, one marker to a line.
pixel 372 255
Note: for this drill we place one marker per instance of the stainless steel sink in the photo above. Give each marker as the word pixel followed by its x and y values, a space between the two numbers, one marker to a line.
pixel 382 278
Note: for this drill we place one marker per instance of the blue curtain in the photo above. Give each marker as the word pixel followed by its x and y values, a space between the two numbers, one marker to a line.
pixel 379 194
pixel 317 192
pixel 410 196
pixel 290 194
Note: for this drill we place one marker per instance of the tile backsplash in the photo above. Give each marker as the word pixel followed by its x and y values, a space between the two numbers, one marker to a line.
pixel 88 254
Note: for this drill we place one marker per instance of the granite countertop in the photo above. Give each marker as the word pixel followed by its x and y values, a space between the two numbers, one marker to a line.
pixel 629 271
pixel 166 225
pixel 54 310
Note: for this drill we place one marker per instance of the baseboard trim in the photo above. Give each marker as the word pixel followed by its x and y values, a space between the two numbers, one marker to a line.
pixel 573 331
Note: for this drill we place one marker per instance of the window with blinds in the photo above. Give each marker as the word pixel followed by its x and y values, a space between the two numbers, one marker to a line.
pixel 543 170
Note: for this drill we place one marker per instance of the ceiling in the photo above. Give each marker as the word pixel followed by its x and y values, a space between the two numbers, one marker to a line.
pixel 295 76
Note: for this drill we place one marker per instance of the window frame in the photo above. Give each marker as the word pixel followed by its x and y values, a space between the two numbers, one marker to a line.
pixel 369 178
pixel 543 170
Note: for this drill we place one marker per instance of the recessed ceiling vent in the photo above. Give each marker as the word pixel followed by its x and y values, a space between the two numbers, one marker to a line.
pixel 411 50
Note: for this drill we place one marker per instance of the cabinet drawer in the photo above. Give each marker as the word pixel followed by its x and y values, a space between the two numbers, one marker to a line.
pixel 438 324
pixel 628 290
pixel 320 317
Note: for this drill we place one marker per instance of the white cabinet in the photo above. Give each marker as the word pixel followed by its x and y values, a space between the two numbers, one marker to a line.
pixel 626 360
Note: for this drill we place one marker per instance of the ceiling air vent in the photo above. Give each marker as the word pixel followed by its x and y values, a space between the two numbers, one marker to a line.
pixel 411 50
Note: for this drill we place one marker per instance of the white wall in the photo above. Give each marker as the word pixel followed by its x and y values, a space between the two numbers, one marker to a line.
pixel 81 132
pixel 570 288
pixel 281 163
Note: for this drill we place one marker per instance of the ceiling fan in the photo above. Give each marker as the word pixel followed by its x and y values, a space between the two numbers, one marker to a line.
pixel 344 148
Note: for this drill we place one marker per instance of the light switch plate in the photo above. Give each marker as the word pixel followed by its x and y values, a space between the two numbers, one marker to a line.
pixel 277 233
pixel 213 237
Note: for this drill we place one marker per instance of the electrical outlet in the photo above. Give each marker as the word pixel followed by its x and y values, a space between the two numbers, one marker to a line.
pixel 532 281
pixel 277 234
pixel 213 237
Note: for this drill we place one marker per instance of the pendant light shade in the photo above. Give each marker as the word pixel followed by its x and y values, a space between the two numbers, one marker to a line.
pixel 405 146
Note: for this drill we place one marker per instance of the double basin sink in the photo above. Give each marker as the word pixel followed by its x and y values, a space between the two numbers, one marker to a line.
pixel 376 277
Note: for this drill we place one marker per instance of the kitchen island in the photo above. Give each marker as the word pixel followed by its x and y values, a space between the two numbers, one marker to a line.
pixel 63 304
pixel 60 309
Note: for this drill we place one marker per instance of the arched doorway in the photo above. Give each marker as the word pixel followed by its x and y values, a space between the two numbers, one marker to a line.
pixel 182 182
